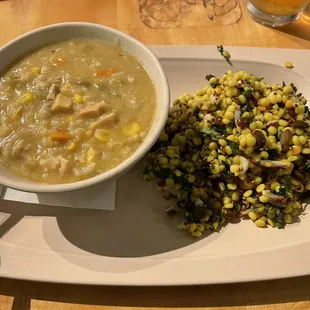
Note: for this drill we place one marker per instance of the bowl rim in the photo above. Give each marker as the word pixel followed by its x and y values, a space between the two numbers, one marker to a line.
pixel 123 167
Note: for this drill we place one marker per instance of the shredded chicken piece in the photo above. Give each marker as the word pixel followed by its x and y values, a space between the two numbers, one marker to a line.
pixel 104 120
pixel 62 104
pixel 94 109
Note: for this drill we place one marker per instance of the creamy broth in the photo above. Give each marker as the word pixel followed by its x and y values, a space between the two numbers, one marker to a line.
pixel 73 110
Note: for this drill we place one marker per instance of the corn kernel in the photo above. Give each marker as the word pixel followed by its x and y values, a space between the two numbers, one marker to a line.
pixel 250 141
pixel 295 150
pixel 261 108
pixel 228 205
pixel 200 228
pixel 287 219
pixel 260 188
pixel 222 142
pixel 264 154
pixel 236 159
pixel 228 150
pixel 78 99
pixel 90 155
pixel 289 104
pixel 257 180
pixel 26 98
pixel 212 146
pixel 132 129
pixel 225 120
pixel 251 200
pixel 36 70
pixel 274 185
pixel 231 186
pixel 292 158
pixel 300 109
pixel 302 140
pixel 272 130
pixel 263 199
pixel 283 122
pixel 248 193
pixel 70 118
pixel 243 141
pixel 288 65
pixel 271 222
pixel 306 151
pixel 235 196
pixel 252 216
pixel 287 209
pixel 71 146
pixel 103 135
pixel 226 200
pixel 260 223
pixel 192 227
pixel 88 133
pixel 234 168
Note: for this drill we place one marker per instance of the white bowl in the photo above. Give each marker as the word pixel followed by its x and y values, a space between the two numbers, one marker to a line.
pixel 58 32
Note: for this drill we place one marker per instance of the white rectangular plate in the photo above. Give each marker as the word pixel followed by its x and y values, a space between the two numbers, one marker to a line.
pixel 137 244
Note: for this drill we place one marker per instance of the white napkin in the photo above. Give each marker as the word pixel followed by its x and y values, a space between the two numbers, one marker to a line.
pixel 100 196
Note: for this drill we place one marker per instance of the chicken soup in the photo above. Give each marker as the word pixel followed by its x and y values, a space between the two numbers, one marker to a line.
pixel 73 110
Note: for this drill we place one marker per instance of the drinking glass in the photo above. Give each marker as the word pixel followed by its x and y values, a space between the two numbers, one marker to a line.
pixel 276 13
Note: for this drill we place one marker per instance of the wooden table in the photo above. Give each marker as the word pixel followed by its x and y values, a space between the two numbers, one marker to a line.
pixel 156 22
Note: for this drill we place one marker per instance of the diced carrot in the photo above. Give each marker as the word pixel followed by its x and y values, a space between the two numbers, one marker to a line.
pixel 104 73
pixel 59 62
pixel 60 135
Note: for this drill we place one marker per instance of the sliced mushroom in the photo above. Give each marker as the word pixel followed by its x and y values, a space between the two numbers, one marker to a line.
pixel 260 139
pixel 274 164
pixel 244 164
pixel 274 199
pixel 245 212
pixel 237 117
pixel 300 124
pixel 173 209
pixel 286 138
pixel 272 123
pixel 53 91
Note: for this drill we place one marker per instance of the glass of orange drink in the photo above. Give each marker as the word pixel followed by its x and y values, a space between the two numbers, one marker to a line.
pixel 276 13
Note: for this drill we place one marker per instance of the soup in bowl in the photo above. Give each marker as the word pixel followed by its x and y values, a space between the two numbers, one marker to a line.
pixel 81 106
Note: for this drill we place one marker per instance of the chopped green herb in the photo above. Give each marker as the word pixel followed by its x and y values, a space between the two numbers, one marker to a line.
pixel 247 93
pixel 294 87
pixel 209 77
pixel 237 206
pixel 162 173
pixel 219 128
pixel 215 135
pixel 272 154
pixel 234 146
pixel 224 53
